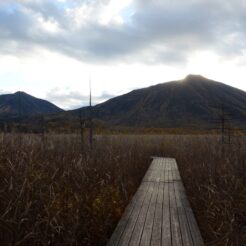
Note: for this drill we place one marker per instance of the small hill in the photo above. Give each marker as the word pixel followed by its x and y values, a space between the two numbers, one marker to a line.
pixel 25 105
pixel 192 102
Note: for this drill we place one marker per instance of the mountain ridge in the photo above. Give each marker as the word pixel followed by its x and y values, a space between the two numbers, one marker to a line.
pixel 180 103
pixel 193 102
pixel 22 104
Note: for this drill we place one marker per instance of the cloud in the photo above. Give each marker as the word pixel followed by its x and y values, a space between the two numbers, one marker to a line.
pixel 146 31
pixel 68 99
pixel 3 92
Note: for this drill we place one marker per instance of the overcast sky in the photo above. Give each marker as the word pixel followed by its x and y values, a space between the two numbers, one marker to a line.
pixel 50 48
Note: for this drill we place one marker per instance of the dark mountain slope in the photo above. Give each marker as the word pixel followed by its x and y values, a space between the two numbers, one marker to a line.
pixel 185 103
pixel 26 105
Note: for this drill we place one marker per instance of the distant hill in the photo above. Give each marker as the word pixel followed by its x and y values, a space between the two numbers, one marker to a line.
pixel 25 105
pixel 192 102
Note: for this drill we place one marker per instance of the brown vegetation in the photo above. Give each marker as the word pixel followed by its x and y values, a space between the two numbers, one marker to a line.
pixel 50 194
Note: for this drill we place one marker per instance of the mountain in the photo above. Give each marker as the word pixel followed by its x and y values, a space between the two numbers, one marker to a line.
pixel 192 102
pixel 20 103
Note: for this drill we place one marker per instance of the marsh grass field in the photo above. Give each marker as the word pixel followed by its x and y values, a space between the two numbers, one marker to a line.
pixel 52 194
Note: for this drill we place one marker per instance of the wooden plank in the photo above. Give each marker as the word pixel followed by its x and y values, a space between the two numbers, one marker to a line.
pixel 184 227
pixel 147 175
pixel 193 226
pixel 137 232
pixel 157 226
pixel 128 216
pixel 149 221
pixel 154 173
pixel 166 174
pixel 156 238
pixel 126 237
pixel 166 222
pixel 175 226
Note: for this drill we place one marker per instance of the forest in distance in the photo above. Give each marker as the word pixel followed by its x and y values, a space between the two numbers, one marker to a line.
pixel 55 193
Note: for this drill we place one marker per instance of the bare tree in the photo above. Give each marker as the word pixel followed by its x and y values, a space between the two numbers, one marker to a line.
pixel 19 118
pixel 90 120
pixel 82 128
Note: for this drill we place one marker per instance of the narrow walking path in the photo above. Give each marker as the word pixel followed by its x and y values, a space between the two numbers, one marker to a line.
pixel 159 213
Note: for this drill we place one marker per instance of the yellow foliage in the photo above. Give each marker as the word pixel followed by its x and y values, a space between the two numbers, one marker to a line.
pixel 109 199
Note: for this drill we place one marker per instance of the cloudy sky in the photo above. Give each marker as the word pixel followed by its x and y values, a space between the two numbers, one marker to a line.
pixel 50 48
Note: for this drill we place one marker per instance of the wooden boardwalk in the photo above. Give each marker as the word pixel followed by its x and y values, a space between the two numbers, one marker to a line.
pixel 159 213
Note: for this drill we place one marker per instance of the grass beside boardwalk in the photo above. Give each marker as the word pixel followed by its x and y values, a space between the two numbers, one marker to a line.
pixel 50 194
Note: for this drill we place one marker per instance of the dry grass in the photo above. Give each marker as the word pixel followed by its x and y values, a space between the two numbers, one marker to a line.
pixel 50 194
pixel 215 180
